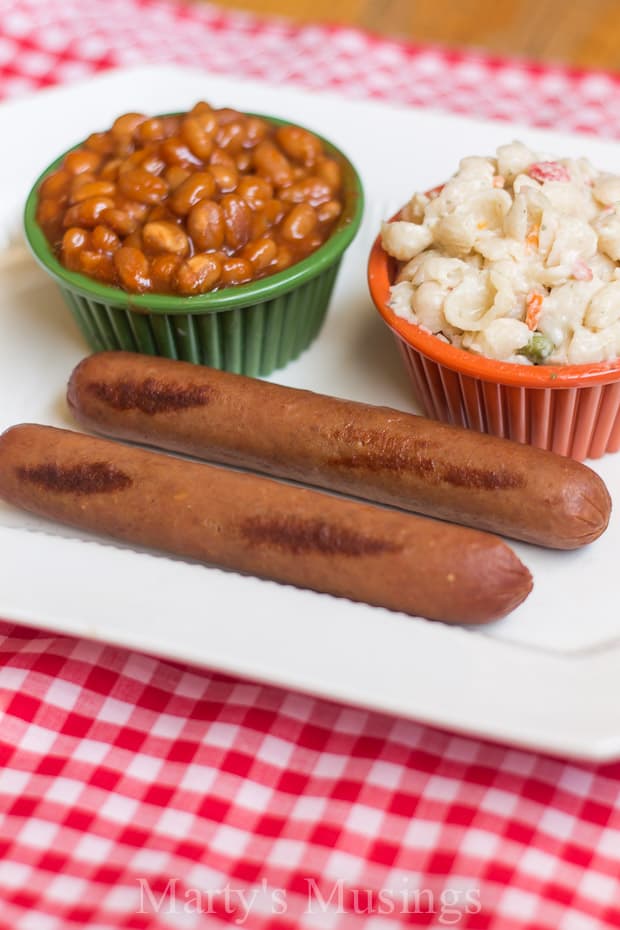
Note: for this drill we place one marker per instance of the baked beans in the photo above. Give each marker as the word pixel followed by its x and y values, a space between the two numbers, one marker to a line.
pixel 191 203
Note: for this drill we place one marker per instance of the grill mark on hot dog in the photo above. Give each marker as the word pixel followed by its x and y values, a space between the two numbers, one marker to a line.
pixel 298 535
pixel 378 452
pixel 465 476
pixel 150 395
pixel 91 478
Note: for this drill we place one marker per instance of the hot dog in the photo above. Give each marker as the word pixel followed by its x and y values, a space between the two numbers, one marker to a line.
pixel 371 452
pixel 256 525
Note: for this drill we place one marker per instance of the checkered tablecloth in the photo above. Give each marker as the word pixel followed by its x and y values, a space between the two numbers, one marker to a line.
pixel 139 793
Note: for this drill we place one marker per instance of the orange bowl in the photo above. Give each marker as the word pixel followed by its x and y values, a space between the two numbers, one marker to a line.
pixel 571 409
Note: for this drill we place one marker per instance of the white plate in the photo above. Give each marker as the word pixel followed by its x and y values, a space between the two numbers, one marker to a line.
pixel 546 677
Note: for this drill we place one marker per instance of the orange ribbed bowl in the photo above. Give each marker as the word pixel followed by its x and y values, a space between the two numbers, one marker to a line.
pixel 571 409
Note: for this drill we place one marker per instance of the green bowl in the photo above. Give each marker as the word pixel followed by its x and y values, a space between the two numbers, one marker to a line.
pixel 249 329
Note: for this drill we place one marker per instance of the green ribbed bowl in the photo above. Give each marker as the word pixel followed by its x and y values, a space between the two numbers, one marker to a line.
pixel 250 329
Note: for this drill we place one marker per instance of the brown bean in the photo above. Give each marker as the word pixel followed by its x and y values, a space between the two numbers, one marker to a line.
pixel 198 274
pixel 231 136
pixel 122 146
pixel 201 106
pixel 88 212
pixel 299 223
pixel 272 164
pixel 175 151
pixel 175 175
pixel 226 179
pixel 79 180
pixel 284 258
pixel 236 271
pixel 256 191
pixel 127 124
pixel 147 158
pixel 98 265
pixel 100 142
pixel 158 213
pixel 165 237
pixel 135 209
pixel 244 161
pixel 74 241
pixel 198 186
pixel 139 185
pixel 330 211
pixel 104 239
pixel 120 221
pixel 227 115
pixel 205 224
pixel 50 217
pixel 205 117
pixel 81 160
pixel 260 225
pixel 132 161
pixel 110 170
pixel 330 171
pixel 199 141
pixel 220 157
pixel 220 255
pixel 299 144
pixel 237 221
pixel 163 272
pixel 132 267
pixel 151 130
pixel 172 125
pixel 92 189
pixel 256 129
pixel 153 163
pixel 274 211
pixel 260 253
pixel 134 240
pixel 311 190
pixel 55 185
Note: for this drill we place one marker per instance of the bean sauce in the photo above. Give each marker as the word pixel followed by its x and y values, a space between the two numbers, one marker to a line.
pixel 192 203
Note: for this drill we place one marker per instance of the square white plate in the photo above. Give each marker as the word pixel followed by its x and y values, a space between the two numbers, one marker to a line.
pixel 545 677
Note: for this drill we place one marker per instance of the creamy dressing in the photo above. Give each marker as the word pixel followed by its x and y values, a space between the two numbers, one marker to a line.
pixel 515 258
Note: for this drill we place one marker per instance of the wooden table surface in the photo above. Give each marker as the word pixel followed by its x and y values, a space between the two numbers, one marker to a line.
pixel 584 33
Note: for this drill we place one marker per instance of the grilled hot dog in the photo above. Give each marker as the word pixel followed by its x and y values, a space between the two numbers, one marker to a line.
pixel 260 526
pixel 371 452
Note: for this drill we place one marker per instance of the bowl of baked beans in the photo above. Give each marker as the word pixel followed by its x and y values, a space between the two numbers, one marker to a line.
pixel 212 235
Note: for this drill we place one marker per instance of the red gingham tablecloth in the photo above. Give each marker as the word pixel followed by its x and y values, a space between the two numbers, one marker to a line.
pixel 138 793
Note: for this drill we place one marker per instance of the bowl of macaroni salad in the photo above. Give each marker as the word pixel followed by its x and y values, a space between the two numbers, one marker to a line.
pixel 502 287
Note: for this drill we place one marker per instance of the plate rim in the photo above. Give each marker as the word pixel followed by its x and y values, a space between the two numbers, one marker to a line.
pixel 578 670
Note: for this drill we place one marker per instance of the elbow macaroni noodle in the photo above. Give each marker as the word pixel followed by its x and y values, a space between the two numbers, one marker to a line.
pixel 515 258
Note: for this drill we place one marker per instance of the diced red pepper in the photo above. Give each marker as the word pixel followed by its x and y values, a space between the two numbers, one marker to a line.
pixel 548 171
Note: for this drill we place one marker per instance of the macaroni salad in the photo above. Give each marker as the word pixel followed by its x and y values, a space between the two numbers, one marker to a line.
pixel 515 258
